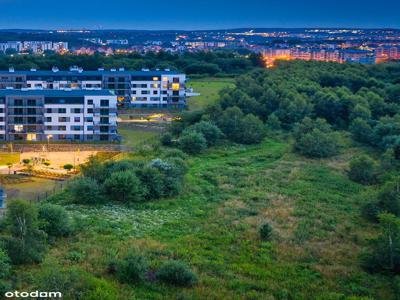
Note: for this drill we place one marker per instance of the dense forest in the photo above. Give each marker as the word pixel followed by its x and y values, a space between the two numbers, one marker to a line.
pixel 286 188
pixel 202 63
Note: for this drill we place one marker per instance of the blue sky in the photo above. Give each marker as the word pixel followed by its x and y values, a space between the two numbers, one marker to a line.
pixel 197 14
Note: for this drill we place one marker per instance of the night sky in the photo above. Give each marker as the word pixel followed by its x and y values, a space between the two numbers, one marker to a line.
pixel 197 14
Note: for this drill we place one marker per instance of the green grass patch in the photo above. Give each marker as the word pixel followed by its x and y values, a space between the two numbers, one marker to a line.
pixel 134 136
pixel 209 89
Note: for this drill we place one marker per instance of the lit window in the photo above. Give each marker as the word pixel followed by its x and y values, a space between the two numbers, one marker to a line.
pixel 155 78
pixel 165 78
pixel 175 86
pixel 18 128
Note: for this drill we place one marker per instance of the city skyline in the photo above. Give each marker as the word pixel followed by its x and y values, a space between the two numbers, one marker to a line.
pixel 177 14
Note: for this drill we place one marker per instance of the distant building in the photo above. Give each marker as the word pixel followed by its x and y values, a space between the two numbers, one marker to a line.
pixel 34 46
pixel 39 115
pixel 139 88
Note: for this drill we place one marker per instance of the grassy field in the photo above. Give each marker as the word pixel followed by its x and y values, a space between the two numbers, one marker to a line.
pixel 134 136
pixel 209 89
pixel 213 226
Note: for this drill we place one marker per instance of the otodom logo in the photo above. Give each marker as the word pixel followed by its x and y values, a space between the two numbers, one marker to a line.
pixel 34 294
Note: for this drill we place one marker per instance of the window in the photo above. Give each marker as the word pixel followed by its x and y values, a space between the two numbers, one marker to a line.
pixel 75 110
pixel 90 102
pixel 77 119
pixel 31 111
pixel 63 119
pixel 90 110
pixel 145 92
pixel 155 92
pixel 90 128
pixel 75 128
pixel 18 102
pixel 1 110
pixel 49 110
pixel 31 102
pixel 104 103
pixel 62 128
pixel 48 119
pixel 77 137
pixel 89 119
pixel 62 110
pixel 175 80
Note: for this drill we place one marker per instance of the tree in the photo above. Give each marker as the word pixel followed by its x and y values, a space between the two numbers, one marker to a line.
pixel 273 122
pixel 192 142
pixel 68 167
pixel 85 191
pixel 389 198
pixel 26 243
pixel 124 186
pixel 5 266
pixel 361 131
pixel 314 138
pixel 384 255
pixel 9 165
pixel 55 220
pixel 210 131
pixel 240 128
pixel 94 169
pixel 363 170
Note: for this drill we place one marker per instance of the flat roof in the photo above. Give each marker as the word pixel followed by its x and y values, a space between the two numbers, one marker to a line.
pixel 55 93
pixel 89 73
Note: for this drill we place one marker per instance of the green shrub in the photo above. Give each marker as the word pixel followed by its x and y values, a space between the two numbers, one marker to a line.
pixel 167 139
pixel 265 232
pixel 124 186
pixel 131 269
pixel 210 131
pixel 192 142
pixel 55 220
pixel 5 266
pixel 85 190
pixel 363 170
pixel 176 273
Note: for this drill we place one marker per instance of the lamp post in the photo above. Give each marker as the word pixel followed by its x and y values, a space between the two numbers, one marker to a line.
pixel 48 141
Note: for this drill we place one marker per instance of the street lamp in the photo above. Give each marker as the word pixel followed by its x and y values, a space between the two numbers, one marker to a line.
pixel 48 141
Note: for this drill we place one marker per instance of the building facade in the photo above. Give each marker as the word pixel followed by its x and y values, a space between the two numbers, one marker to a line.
pixel 138 88
pixel 41 115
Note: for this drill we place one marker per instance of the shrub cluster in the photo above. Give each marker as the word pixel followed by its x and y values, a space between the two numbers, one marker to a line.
pixel 127 180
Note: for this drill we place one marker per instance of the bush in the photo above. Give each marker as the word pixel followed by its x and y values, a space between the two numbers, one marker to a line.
pixel 55 220
pixel 317 144
pixel 265 232
pixel 315 138
pixel 363 170
pixel 25 242
pixel 131 269
pixel 68 167
pixel 273 122
pixel 176 273
pixel 389 198
pixel 4 265
pixel 73 283
pixel 85 190
pixel 211 132
pixel 167 139
pixel 192 142
pixel 124 186
pixel 153 180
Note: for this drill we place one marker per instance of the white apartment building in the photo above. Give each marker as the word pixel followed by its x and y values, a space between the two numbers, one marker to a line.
pixel 76 115
pixel 137 88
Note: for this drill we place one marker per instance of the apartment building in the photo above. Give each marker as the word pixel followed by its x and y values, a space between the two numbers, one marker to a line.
pixel 41 115
pixel 138 88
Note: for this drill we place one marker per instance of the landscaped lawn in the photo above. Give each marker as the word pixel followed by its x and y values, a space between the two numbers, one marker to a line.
pixel 209 89
pixel 134 136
